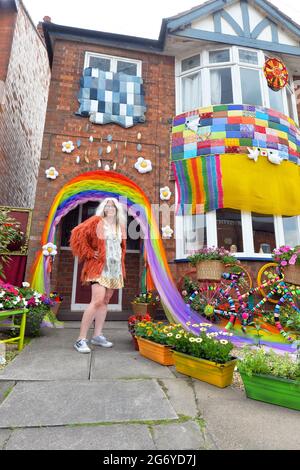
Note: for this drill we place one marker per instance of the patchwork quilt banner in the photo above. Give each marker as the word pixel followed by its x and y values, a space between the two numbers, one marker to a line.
pixel 232 129
pixel 233 181
pixel 108 97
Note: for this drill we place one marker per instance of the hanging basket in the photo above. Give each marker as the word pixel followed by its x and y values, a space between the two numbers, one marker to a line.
pixel 210 270
pixel 292 274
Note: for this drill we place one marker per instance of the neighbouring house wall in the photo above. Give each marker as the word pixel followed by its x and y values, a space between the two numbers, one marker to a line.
pixel 23 112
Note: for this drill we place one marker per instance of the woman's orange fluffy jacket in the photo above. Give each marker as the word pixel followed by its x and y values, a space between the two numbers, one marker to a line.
pixel 84 241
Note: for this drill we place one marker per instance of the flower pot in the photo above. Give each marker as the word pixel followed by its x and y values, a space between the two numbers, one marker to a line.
pixel 135 343
pixel 275 390
pixel 220 375
pixel 55 308
pixel 143 309
pixel 156 352
pixel 15 246
pixel 209 270
pixel 292 274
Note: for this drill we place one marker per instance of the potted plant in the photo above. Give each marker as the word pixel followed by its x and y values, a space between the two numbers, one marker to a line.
pixel 133 320
pixel 206 357
pixel 153 341
pixel 270 377
pixel 210 262
pixel 288 259
pixel 145 303
pixel 56 302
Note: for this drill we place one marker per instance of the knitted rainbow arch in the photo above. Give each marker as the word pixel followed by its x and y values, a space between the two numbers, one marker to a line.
pixel 96 185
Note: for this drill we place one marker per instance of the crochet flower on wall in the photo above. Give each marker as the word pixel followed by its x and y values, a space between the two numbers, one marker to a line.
pixel 165 193
pixel 50 249
pixel 167 232
pixel 143 166
pixel 68 147
pixel 52 173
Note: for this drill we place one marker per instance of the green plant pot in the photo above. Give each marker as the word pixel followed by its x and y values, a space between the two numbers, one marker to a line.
pixel 278 391
pixel 33 323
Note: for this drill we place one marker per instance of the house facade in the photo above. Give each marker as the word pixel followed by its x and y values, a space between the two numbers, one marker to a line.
pixel 208 59
pixel 24 84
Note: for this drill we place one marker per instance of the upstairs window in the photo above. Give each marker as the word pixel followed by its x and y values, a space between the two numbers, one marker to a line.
pixel 113 64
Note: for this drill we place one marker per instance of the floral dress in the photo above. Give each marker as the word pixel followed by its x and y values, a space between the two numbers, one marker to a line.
pixel 111 276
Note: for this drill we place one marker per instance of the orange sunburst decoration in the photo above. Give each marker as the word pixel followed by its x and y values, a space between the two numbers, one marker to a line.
pixel 276 74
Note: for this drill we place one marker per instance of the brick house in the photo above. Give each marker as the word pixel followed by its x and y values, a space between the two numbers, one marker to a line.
pixel 205 56
pixel 24 83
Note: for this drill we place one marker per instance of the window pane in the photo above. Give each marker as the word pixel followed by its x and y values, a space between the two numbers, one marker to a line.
pixel 290 103
pixel 127 67
pixel 100 63
pixel 291 231
pixel 133 234
pixel 229 229
pixel 248 57
pixel 190 63
pixel 191 92
pixel 276 100
pixel 68 223
pixel 263 233
pixel 194 232
pixel 251 93
pixel 216 57
pixel 221 86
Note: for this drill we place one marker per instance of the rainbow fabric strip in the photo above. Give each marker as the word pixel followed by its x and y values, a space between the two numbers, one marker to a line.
pixel 97 185
pixel 231 129
pixel 199 184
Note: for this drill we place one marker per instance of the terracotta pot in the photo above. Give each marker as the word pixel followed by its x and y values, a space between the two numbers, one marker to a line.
pixel 275 390
pixel 143 309
pixel 210 270
pixel 56 308
pixel 220 375
pixel 292 274
pixel 156 352
pixel 135 343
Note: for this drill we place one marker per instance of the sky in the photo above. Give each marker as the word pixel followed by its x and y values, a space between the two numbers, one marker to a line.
pixel 132 17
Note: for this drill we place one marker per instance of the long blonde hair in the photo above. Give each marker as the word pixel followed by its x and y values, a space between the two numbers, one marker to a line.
pixel 121 216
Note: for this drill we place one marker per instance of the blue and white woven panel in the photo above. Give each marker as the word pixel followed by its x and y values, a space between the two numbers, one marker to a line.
pixel 107 97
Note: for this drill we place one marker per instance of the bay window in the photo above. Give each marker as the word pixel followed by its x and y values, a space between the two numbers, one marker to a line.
pixel 222 76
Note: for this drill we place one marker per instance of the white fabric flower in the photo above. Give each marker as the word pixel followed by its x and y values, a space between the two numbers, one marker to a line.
pixel 143 166
pixel 50 249
pixel 165 193
pixel 167 232
pixel 52 173
pixel 68 147
pixel 25 284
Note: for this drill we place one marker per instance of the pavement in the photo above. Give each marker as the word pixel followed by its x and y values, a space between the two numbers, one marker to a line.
pixel 53 398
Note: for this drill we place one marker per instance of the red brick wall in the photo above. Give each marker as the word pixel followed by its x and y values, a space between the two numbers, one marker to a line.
pixel 22 115
pixel 62 124
pixel 7 25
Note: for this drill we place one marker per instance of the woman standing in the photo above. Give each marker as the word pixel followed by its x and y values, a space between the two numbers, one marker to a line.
pixel 100 242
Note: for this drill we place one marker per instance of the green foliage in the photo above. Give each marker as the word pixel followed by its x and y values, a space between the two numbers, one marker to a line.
pixel 34 319
pixel 212 253
pixel 259 361
pixel 146 298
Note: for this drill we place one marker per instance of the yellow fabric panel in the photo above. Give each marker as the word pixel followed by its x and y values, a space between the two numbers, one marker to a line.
pixel 208 109
pixel 260 122
pixel 262 186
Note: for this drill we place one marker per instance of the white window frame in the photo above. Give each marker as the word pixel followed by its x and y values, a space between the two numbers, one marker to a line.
pixel 114 61
pixel 235 65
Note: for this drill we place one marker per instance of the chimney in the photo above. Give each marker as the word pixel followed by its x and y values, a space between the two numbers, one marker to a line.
pixel 47 19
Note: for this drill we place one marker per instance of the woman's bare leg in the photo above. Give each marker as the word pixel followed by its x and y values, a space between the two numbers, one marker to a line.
pixel 97 303
pixel 102 312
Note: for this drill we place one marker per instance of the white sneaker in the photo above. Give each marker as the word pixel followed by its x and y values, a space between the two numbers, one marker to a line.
pixel 82 347
pixel 101 341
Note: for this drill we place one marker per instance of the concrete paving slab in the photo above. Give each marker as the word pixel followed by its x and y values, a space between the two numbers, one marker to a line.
pixel 32 404
pixel 4 436
pixel 183 436
pixel 107 363
pixel 5 388
pixel 238 423
pixel 108 325
pixel 113 437
pixel 181 395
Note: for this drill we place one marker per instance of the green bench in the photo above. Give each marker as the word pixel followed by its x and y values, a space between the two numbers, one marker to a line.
pixel 10 314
